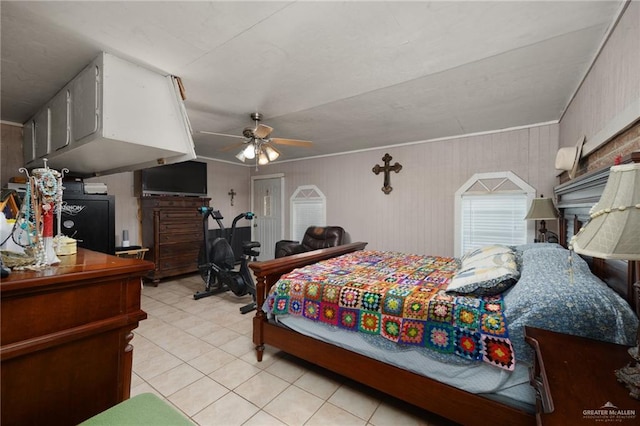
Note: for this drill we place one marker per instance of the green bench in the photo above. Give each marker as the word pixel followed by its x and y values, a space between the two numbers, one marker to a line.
pixel 143 409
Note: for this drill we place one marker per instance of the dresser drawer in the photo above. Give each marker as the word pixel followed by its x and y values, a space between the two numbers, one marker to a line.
pixel 189 261
pixel 178 216
pixel 181 227
pixel 172 202
pixel 170 238
pixel 179 249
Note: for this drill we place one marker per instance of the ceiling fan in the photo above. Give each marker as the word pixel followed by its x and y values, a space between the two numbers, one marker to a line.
pixel 259 144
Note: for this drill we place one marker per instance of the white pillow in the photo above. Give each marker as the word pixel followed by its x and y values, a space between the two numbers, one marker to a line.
pixel 482 252
pixel 486 276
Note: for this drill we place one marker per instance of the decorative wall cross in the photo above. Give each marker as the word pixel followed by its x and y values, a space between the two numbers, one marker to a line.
pixel 232 194
pixel 386 169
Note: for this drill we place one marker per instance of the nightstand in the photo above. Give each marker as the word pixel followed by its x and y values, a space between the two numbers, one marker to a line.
pixel 575 381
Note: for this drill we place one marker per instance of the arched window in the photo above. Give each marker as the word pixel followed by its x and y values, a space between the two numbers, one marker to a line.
pixel 490 209
pixel 308 208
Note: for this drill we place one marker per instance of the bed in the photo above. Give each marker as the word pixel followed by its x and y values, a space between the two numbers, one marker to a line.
pixel 470 392
pixel 551 292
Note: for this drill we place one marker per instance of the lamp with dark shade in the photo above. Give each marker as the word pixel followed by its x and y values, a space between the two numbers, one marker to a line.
pixel 542 209
pixel 613 232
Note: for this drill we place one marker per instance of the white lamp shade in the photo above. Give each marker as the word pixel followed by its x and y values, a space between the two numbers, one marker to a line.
pixel 240 156
pixel 613 232
pixel 250 152
pixel 262 158
pixel 271 152
pixel 542 209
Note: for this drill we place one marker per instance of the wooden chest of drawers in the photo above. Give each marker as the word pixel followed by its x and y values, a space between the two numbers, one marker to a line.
pixel 172 229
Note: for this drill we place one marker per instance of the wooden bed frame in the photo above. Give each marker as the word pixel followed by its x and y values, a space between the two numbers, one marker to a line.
pixel 575 198
pixel 439 398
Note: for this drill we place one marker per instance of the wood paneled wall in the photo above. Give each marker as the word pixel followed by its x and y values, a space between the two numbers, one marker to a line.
pixel 609 97
pixel 418 215
pixel 11 152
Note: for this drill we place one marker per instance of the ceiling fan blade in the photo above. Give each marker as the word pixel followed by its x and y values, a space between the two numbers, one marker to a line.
pixel 291 142
pixel 233 146
pixel 262 131
pixel 220 134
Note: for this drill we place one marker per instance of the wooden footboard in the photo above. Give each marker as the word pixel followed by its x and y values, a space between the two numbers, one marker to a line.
pixel 268 272
pixel 455 404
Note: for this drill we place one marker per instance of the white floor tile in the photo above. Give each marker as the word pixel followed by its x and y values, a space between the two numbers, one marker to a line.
pixel 261 388
pixel 198 395
pixel 230 410
pixel 175 379
pixel 234 373
pixel 294 406
pixel 355 401
pixel 329 414
pixel 199 356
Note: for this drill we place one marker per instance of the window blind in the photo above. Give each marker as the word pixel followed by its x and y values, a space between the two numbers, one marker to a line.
pixel 496 218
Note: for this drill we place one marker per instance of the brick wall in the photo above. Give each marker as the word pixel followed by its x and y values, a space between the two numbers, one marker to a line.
pixel 622 145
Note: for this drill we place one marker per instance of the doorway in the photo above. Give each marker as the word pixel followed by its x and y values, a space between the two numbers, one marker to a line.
pixel 267 202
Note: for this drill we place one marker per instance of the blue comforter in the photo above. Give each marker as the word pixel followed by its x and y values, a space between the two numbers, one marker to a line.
pixel 557 295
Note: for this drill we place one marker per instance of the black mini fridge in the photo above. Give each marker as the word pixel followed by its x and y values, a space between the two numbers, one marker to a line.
pixel 90 219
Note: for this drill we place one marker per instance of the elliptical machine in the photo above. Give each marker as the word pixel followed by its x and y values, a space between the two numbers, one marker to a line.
pixel 216 261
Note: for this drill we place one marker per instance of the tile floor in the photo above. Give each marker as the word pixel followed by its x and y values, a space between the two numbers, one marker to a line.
pixel 198 356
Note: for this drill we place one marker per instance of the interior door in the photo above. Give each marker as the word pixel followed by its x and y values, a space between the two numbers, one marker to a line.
pixel 267 204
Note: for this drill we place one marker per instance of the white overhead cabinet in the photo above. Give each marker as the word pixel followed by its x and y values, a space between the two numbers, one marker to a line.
pixel 60 120
pixel 113 116
pixel 41 126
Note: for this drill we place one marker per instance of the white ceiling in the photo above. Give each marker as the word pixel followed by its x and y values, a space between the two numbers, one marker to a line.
pixel 346 75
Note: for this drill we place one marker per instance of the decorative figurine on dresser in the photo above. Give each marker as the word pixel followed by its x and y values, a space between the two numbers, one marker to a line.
pixel 32 242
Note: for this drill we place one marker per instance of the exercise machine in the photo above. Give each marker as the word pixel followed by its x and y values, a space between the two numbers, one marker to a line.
pixel 216 261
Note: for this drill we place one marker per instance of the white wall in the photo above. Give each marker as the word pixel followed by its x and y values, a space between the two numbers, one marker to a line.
pixel 609 97
pixel 418 215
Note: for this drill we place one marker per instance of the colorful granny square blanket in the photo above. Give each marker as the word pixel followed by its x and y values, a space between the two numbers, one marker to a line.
pixel 399 297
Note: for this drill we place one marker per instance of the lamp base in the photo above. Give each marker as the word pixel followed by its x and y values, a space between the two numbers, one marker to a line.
pixel 630 375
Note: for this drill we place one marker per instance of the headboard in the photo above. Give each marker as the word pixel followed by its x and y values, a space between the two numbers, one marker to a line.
pixel 574 200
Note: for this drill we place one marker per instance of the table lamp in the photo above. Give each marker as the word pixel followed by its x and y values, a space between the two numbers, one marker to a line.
pixel 613 232
pixel 542 209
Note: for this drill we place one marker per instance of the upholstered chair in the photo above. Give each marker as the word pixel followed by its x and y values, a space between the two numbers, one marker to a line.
pixel 315 237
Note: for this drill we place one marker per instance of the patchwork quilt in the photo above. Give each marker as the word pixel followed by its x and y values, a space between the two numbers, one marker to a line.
pixel 399 297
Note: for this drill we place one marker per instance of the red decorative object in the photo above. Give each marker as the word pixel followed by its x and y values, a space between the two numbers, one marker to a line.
pixel 617 160
pixel 47 226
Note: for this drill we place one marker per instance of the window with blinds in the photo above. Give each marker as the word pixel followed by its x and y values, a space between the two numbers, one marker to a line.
pixel 308 208
pixel 493 219
pixel 490 209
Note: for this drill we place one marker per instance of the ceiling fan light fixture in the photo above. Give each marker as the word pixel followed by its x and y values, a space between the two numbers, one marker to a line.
pixel 262 158
pixel 240 156
pixel 249 152
pixel 272 153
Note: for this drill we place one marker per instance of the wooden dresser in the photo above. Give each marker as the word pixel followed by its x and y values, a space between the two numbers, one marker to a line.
pixel 66 332
pixel 172 229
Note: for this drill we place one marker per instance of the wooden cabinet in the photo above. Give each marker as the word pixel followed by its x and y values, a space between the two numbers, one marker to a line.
pixel 172 229
pixel 66 338
pixel 575 381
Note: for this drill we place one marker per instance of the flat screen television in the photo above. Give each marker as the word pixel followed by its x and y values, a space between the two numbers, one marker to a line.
pixel 188 178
